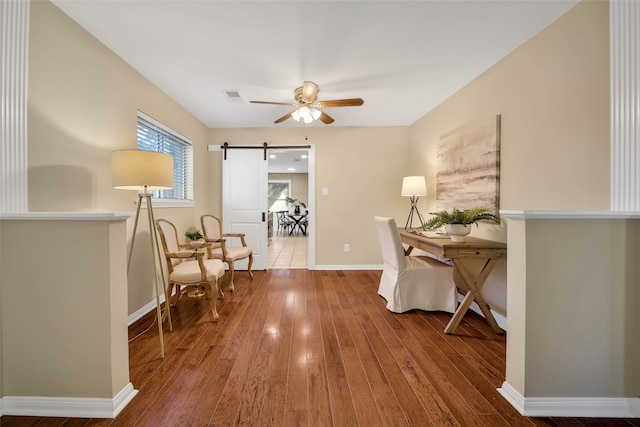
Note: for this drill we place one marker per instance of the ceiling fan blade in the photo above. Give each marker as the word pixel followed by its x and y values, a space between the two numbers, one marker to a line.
pixel 309 92
pixel 325 118
pixel 350 102
pixel 283 118
pixel 272 103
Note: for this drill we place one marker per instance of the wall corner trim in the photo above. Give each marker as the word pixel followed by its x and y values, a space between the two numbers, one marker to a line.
pixel 65 216
pixel 524 214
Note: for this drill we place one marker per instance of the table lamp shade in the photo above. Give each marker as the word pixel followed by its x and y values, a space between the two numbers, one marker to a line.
pixel 138 169
pixel 414 186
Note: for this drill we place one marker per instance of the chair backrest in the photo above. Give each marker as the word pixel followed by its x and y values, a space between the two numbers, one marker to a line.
pixel 212 228
pixel 169 238
pixel 390 242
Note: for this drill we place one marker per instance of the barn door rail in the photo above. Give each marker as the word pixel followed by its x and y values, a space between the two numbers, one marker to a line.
pixel 265 146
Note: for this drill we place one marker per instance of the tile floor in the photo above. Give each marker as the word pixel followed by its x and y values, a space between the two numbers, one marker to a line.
pixel 287 252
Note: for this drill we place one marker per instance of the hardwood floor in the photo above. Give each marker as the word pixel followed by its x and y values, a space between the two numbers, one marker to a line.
pixel 315 348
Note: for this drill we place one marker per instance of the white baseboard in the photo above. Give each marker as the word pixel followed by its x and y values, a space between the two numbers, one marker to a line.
pixel 139 314
pixel 601 407
pixel 78 407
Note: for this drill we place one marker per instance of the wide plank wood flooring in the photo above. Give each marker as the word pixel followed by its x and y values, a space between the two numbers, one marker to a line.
pixel 314 348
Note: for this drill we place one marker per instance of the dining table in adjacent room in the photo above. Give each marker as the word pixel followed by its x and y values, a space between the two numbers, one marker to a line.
pixel 298 222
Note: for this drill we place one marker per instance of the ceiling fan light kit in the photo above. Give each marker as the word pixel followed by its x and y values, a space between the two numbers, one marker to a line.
pixel 308 108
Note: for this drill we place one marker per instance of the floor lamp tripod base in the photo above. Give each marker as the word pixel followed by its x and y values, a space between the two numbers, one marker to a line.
pixel 155 251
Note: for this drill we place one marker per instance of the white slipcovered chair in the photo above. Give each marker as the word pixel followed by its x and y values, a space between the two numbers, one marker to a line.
pixel 212 229
pixel 188 267
pixel 410 282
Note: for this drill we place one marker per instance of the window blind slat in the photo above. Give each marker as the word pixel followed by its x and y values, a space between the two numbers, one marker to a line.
pixel 155 138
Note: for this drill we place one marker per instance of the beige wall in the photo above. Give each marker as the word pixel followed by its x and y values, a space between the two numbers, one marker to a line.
pixel 64 331
pixel 82 105
pixel 362 167
pixel 572 295
pixel 553 95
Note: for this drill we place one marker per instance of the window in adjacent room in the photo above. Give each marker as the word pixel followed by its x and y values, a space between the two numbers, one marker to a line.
pixel 279 190
pixel 154 136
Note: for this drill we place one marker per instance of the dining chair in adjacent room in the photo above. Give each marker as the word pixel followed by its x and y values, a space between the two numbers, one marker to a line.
pixel 411 282
pixel 187 267
pixel 212 229
pixel 304 224
pixel 283 221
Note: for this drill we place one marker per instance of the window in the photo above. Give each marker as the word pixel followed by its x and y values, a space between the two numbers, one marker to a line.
pixel 278 193
pixel 153 136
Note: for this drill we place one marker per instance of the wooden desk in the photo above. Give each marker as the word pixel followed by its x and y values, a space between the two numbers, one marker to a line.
pixel 460 254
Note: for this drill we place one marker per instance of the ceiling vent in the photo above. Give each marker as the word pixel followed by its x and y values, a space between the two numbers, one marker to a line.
pixel 233 95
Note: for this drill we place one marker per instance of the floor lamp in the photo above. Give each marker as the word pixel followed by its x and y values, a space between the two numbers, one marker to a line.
pixel 414 187
pixel 145 171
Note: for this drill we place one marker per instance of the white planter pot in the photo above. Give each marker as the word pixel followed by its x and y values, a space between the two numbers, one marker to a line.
pixel 457 231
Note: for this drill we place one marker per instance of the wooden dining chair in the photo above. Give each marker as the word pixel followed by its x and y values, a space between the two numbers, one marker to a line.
pixel 227 252
pixel 284 222
pixel 188 268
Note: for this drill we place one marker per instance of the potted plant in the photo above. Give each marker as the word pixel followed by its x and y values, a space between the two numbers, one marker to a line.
pixel 193 234
pixel 296 204
pixel 457 223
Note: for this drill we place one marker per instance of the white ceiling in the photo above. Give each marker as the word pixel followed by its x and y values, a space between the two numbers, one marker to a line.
pixel 402 57
pixel 283 161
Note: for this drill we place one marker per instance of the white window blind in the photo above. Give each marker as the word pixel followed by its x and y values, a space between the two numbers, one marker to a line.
pixel 153 136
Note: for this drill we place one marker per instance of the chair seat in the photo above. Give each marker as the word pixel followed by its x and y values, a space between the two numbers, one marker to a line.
pixel 233 253
pixel 189 272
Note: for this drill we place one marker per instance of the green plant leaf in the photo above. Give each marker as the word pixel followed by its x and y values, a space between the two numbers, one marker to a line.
pixel 193 234
pixel 457 216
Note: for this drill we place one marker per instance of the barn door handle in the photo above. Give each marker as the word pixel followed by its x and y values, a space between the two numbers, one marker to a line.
pixel 263 217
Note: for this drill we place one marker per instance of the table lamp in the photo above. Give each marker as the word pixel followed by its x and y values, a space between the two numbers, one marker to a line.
pixel 414 187
pixel 145 171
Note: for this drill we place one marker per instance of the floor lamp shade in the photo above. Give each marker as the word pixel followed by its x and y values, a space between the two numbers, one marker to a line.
pixel 414 186
pixel 138 170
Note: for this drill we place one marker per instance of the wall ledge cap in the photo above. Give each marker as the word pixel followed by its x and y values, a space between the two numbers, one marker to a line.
pixel 523 214
pixel 65 216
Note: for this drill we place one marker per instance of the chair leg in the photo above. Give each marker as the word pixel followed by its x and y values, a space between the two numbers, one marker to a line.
pixel 214 291
pixel 249 266
pixel 231 272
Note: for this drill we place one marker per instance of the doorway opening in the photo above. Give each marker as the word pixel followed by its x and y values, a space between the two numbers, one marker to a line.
pixel 288 204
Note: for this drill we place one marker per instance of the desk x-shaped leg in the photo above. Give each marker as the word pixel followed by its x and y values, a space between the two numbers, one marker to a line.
pixel 474 285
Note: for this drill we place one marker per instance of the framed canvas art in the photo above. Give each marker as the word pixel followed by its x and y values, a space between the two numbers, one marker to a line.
pixel 469 167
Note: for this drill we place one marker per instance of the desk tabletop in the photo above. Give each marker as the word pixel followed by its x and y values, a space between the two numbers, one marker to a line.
pixel 472 247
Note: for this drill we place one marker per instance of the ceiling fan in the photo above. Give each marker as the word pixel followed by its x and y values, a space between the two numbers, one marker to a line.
pixel 308 108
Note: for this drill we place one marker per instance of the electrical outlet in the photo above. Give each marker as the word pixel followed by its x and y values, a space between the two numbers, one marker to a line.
pixel 347 248
pixel 325 191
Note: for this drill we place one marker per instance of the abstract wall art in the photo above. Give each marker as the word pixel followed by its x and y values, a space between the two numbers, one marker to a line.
pixel 469 167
